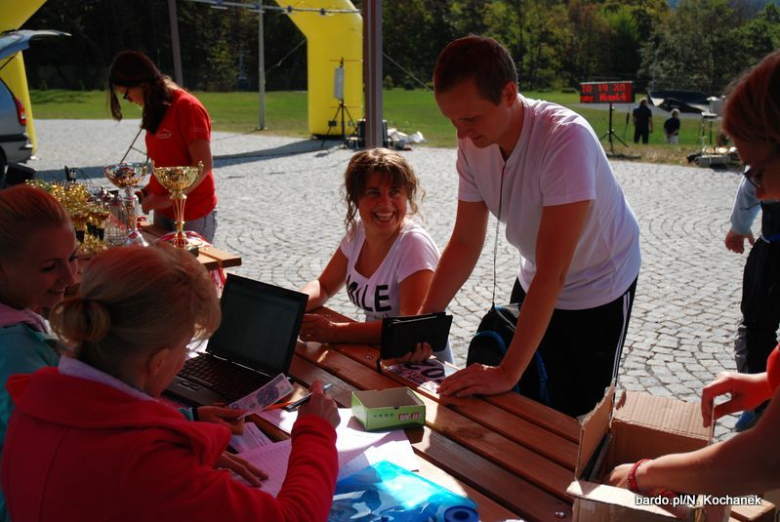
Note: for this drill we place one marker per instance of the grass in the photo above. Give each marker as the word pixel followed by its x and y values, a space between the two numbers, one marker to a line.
pixel 408 111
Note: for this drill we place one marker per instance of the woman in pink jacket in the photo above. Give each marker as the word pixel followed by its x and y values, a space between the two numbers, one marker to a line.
pixel 88 440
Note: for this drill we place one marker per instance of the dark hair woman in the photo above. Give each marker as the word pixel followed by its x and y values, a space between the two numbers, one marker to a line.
pixel 178 133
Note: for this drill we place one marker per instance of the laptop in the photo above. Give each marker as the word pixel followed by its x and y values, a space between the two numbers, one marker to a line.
pixel 254 343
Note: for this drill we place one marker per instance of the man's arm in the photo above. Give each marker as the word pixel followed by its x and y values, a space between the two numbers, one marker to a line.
pixel 559 232
pixel 459 257
pixel 744 212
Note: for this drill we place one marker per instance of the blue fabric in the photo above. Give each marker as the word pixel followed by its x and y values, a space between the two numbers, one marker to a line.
pixel 22 350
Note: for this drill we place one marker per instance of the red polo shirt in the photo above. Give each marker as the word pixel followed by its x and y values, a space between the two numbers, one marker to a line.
pixel 185 121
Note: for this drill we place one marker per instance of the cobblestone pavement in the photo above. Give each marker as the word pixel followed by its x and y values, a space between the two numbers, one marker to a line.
pixel 282 212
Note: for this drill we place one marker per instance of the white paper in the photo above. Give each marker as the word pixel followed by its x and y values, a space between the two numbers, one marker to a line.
pixel 252 439
pixel 272 459
pixel 427 374
pixel 356 447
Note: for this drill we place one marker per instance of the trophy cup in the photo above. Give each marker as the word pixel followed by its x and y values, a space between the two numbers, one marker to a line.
pixel 128 176
pixel 177 180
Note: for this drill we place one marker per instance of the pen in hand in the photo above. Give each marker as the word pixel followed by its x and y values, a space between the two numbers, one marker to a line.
pixel 293 406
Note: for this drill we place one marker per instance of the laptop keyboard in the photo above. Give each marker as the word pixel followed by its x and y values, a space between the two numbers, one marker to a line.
pixel 230 380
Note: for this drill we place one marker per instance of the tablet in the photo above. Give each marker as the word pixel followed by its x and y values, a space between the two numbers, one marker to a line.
pixel 400 335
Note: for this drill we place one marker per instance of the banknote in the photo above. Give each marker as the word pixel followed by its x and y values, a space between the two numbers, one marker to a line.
pixel 263 397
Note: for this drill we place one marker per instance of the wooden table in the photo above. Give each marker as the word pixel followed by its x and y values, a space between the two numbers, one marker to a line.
pixel 514 457
pixel 211 257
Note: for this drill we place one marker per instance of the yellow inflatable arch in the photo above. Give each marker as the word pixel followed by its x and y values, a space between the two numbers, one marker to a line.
pixel 331 38
pixel 15 13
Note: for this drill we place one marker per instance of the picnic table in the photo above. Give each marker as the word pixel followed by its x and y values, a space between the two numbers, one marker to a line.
pixel 513 456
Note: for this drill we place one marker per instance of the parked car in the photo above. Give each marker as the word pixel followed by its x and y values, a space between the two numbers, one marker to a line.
pixel 15 146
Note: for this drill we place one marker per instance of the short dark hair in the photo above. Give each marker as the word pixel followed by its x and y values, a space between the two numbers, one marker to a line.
pixel 752 109
pixel 480 58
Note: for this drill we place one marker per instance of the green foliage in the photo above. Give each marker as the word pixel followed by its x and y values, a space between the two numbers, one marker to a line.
pixel 388 83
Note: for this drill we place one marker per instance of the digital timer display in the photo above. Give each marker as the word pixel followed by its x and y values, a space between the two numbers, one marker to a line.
pixel 606 92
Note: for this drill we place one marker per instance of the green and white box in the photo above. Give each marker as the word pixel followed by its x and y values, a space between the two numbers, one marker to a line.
pixel 388 409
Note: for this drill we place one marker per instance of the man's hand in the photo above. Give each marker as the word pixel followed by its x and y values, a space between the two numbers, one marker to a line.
pixel 477 379
pixel 736 242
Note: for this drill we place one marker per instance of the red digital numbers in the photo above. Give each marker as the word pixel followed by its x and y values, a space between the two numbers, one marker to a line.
pixel 606 92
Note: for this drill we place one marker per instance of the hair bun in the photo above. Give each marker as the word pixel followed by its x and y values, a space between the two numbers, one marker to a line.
pixel 81 320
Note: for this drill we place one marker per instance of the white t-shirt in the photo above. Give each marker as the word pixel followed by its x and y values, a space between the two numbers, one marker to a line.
pixel 557 160
pixel 378 296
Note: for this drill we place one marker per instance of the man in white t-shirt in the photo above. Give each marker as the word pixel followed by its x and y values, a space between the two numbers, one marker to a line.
pixel 565 213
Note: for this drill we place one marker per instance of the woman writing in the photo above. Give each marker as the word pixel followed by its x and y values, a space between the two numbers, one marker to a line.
pixel 178 133
pixel 113 451
pixel 385 259
pixel 749 462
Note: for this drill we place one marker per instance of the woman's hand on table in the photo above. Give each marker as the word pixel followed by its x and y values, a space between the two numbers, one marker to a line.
pixel 154 202
pixel 320 405
pixel 232 419
pixel 320 329
pixel 747 391
pixel 243 468
pixel 477 379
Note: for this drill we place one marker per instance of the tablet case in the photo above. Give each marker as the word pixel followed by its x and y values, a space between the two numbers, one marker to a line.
pixel 400 335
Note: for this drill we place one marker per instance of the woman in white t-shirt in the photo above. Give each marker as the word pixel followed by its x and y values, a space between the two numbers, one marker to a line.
pixel 385 260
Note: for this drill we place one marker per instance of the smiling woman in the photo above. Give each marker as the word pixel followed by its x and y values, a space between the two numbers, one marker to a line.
pixel 385 259
pixel 37 263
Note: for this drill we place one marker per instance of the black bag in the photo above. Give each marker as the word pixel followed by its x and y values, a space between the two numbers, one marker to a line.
pixel 491 342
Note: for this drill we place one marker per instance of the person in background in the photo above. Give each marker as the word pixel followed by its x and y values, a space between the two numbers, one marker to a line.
pixel 749 462
pixel 643 122
pixel 672 128
pixel 540 168
pixel 178 133
pixel 88 437
pixel 757 331
pixel 385 259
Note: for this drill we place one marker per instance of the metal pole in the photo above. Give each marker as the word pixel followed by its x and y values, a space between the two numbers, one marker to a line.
pixel 261 65
pixel 372 71
pixel 177 72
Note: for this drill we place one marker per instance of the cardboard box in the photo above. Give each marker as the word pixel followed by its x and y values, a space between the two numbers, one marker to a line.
pixel 639 426
pixel 388 409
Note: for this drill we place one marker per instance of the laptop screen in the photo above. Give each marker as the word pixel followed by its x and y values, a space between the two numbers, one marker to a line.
pixel 260 324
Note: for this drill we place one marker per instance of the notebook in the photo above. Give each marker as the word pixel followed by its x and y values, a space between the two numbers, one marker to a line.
pixel 254 343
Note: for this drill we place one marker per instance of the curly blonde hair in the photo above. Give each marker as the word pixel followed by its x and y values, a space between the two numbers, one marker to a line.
pixel 134 301
pixel 383 161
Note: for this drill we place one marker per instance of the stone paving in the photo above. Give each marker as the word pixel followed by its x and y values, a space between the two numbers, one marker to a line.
pixel 281 210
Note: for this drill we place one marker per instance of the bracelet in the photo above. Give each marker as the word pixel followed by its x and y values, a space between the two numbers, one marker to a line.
pixel 633 485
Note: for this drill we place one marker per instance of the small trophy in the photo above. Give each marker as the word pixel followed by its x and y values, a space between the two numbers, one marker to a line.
pixel 177 180
pixel 128 176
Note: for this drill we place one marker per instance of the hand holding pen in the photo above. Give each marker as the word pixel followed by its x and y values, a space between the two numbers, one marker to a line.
pixel 320 404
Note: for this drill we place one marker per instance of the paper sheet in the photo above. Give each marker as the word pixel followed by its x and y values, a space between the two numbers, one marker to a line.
pixel 356 447
pixel 252 439
pixel 272 459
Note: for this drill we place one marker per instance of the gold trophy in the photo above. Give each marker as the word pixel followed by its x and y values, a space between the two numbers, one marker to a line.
pixel 177 180
pixel 128 176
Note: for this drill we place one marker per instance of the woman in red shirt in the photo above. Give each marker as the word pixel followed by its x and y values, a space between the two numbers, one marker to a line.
pixel 749 462
pixel 88 441
pixel 178 133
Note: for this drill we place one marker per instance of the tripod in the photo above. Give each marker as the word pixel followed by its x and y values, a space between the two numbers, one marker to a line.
pixel 341 110
pixel 611 133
